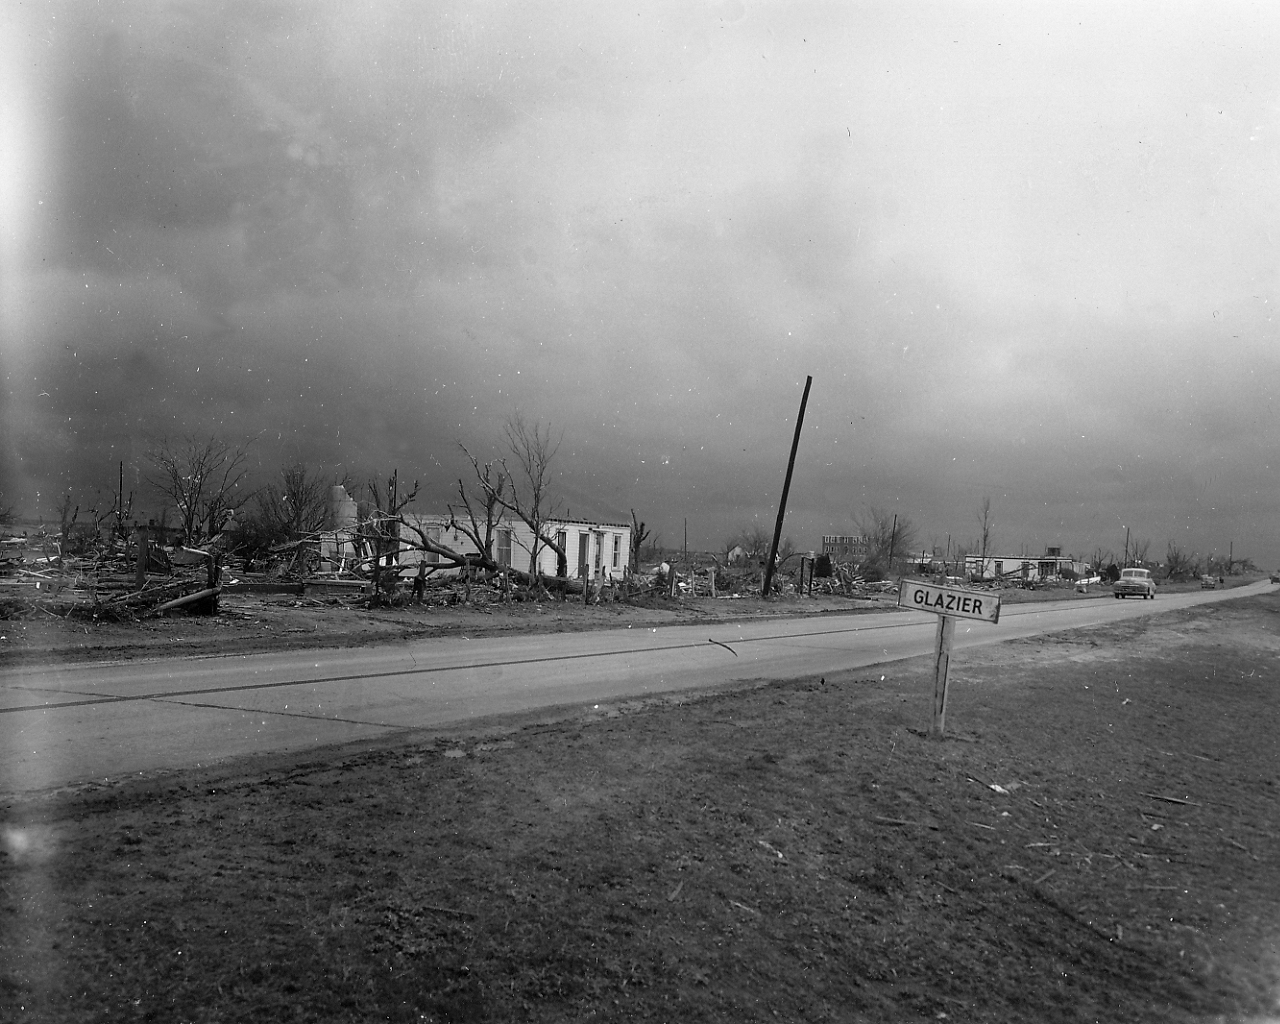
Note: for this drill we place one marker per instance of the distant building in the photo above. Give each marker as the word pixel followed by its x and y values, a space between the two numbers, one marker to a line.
pixel 1052 565
pixel 846 549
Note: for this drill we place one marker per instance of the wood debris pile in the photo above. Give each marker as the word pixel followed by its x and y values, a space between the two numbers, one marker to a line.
pixel 104 584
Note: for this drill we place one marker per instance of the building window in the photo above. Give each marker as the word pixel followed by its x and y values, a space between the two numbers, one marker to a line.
pixel 562 560
pixel 584 548
pixel 433 535
pixel 617 550
pixel 999 568
pixel 504 547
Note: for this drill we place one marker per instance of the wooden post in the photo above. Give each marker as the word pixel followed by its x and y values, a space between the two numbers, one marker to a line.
pixel 786 488
pixel 941 668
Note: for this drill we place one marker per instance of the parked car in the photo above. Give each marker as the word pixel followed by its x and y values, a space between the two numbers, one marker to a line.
pixel 1275 577
pixel 1208 582
pixel 1137 582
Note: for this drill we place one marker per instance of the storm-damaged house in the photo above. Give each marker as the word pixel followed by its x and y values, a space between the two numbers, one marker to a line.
pixel 1052 565
pixel 593 549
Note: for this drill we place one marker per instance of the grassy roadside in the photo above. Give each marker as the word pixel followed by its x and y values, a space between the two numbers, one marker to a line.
pixel 790 851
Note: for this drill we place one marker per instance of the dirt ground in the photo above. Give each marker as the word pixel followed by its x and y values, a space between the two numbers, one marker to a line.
pixel 1098 841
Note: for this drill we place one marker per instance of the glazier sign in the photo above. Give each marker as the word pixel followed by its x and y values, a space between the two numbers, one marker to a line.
pixel 962 604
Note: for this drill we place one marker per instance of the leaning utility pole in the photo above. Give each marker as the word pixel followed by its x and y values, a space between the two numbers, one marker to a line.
pixel 786 488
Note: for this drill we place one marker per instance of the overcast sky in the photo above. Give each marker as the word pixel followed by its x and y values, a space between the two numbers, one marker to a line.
pixel 1026 251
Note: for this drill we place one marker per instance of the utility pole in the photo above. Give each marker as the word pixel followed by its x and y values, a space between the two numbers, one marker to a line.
pixel 1126 547
pixel 893 537
pixel 786 489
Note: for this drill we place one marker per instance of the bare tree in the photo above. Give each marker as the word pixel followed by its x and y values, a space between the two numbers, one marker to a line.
pixel 1179 564
pixel 68 513
pixel 886 535
pixel 379 528
pixel 754 541
pixel 121 512
pixel 530 498
pixel 1139 549
pixel 385 529
pixel 786 550
pixel 984 529
pixel 482 509
pixel 295 507
pixel 639 534
pixel 204 479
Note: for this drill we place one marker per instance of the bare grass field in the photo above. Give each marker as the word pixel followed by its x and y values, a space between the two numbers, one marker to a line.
pixel 1099 841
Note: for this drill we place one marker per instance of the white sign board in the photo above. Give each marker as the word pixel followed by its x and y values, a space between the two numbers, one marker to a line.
pixel 962 604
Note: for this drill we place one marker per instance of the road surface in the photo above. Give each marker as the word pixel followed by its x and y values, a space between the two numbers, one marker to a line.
pixel 66 724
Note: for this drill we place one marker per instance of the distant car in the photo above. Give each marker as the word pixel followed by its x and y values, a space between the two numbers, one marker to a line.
pixel 1134 582
pixel 1275 577
pixel 1208 582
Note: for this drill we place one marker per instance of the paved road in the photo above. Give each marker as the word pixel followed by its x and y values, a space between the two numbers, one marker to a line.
pixel 61 725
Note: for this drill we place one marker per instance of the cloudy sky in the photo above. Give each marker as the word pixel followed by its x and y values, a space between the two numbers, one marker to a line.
pixel 1026 251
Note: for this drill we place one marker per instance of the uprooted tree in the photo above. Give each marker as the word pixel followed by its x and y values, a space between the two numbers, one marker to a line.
pixel 204 478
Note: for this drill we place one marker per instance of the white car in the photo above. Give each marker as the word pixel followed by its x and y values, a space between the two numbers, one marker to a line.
pixel 1136 582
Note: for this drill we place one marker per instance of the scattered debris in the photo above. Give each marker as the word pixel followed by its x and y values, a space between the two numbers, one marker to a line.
pixel 1171 799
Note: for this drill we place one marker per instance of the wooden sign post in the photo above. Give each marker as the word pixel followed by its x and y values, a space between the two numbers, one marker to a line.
pixel 949 604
